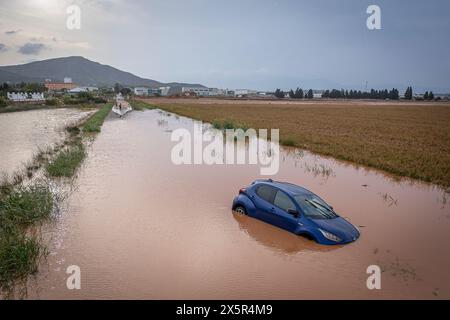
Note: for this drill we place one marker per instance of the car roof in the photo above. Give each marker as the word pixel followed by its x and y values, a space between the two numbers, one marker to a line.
pixel 287 187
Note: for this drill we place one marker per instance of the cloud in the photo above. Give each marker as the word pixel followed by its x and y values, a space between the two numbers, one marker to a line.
pixel 3 47
pixel 12 32
pixel 31 48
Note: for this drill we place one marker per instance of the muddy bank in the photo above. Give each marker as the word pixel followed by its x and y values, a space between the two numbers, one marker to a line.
pixel 140 227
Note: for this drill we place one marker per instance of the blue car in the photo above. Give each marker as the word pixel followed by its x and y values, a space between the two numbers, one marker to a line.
pixel 295 209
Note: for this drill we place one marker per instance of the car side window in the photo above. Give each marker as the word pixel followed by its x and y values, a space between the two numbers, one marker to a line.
pixel 267 193
pixel 283 201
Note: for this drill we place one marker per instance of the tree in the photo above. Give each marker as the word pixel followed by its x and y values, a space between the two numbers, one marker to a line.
pixel 298 93
pixel 393 94
pixel 425 96
pixel 431 95
pixel 310 94
pixel 117 88
pixel 279 94
pixel 291 94
pixel 409 93
pixel 125 91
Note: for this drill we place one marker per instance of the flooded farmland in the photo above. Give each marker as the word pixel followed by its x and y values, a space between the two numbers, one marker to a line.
pixel 140 227
pixel 23 133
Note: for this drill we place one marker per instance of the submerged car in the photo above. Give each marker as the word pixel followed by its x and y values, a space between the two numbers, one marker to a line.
pixel 295 209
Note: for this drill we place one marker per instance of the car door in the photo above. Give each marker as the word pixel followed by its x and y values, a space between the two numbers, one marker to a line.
pixel 282 203
pixel 265 195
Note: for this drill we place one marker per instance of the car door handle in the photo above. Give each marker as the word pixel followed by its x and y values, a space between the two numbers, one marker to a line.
pixel 272 209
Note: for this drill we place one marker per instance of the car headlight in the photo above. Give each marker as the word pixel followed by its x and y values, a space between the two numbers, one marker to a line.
pixel 330 236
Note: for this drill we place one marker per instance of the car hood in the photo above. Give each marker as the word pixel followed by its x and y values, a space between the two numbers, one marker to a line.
pixel 339 227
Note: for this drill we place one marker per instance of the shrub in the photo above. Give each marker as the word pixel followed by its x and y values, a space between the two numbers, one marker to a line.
pixel 26 206
pixel 51 102
pixel 100 100
pixel 67 161
pixel 3 103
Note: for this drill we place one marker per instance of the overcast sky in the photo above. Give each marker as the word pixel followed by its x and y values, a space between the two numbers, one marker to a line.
pixel 261 44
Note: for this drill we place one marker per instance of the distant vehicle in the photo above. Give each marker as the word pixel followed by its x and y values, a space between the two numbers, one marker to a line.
pixel 295 209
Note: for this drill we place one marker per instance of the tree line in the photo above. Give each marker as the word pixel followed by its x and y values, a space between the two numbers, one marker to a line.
pixel 21 87
pixel 297 94
pixel 392 94
pixel 358 94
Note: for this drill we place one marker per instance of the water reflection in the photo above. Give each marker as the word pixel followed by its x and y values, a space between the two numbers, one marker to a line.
pixel 278 239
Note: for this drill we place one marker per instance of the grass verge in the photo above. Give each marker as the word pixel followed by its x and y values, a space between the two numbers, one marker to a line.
pixel 140 105
pixel 20 250
pixel 67 161
pixel 94 123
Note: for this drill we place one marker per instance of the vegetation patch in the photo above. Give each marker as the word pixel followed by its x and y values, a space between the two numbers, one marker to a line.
pixel 141 106
pixel 3 103
pixel 22 107
pixel 51 102
pixel 94 123
pixel 289 142
pixel 21 207
pixel 229 124
pixel 67 161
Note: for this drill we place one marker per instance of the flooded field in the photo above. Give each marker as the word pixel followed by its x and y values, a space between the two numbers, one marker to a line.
pixel 23 133
pixel 140 227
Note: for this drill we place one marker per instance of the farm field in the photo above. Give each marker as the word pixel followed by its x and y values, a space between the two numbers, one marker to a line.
pixel 401 138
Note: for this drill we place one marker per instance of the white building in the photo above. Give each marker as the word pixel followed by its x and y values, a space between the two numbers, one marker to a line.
pixel 67 80
pixel 83 89
pixel 26 97
pixel 199 91
pixel 244 92
pixel 164 91
pixel 205 92
pixel 141 91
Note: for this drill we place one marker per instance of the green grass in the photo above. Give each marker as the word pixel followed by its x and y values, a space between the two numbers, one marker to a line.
pixel 19 258
pixel 25 206
pixel 23 107
pixel 67 161
pixel 141 106
pixel 94 123
pixel 228 124
pixel 289 142
pixel 20 251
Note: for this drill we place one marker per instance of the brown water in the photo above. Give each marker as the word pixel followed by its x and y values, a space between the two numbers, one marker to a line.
pixel 140 227
pixel 23 133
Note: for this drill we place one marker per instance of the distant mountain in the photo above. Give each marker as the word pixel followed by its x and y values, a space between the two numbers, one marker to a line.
pixel 14 78
pixel 83 72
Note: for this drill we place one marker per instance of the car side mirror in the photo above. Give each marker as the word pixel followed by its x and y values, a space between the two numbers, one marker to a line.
pixel 294 212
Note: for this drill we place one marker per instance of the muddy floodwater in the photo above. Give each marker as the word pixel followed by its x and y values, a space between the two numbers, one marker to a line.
pixel 140 227
pixel 23 133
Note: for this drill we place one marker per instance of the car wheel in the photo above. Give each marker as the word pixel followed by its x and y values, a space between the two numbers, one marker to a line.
pixel 240 210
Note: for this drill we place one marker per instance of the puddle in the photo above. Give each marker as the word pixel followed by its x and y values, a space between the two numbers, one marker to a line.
pixel 140 227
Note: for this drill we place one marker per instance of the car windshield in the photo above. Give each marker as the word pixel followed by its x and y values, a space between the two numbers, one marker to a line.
pixel 313 207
